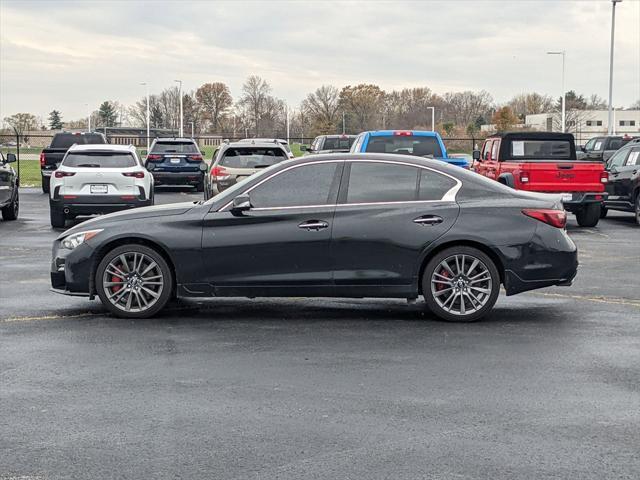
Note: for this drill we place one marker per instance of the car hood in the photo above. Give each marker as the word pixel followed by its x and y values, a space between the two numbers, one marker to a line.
pixel 133 214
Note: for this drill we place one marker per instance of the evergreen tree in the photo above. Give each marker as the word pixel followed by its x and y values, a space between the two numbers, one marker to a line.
pixel 107 114
pixel 55 120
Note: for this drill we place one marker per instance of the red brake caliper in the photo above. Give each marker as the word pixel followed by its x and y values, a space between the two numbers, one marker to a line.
pixel 444 273
pixel 116 278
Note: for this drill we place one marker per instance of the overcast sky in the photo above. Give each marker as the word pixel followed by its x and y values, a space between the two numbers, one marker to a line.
pixel 62 55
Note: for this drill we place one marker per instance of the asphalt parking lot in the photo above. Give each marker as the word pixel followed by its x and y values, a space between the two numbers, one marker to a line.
pixel 547 387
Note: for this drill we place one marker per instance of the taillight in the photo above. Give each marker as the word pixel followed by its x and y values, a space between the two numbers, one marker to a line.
pixel 60 174
pixel 555 218
pixel 604 176
pixel 43 159
pixel 134 174
pixel 524 177
pixel 153 157
pixel 194 158
pixel 218 173
pixel 403 133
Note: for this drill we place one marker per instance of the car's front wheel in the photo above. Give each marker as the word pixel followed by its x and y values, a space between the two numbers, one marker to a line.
pixel 638 208
pixel 134 281
pixel 460 284
pixel 57 217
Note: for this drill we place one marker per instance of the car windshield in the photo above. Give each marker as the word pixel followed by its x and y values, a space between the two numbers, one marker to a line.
pixel 175 147
pixel 252 157
pixel 541 149
pixel 405 144
pixel 99 160
pixel 338 143
pixel 65 140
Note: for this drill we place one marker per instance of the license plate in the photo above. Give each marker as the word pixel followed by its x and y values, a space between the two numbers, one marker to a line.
pixel 99 188
pixel 567 197
pixel 175 160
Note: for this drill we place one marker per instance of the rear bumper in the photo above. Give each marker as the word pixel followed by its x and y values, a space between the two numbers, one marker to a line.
pixel 89 204
pixel 177 178
pixel 580 199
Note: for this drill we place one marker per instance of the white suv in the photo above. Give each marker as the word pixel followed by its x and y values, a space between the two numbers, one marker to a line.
pixel 98 179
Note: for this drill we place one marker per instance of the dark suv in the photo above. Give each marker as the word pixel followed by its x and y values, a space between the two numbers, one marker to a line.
pixel 330 144
pixel 9 200
pixel 624 180
pixel 176 161
pixel 601 148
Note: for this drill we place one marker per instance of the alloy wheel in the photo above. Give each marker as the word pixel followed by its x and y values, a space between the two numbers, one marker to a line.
pixel 461 284
pixel 133 282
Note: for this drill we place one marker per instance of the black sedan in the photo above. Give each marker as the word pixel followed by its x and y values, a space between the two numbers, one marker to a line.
pixel 341 225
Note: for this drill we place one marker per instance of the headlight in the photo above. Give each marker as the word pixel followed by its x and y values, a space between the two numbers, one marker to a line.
pixel 73 240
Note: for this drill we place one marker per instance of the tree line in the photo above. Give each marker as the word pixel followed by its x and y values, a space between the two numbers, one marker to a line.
pixel 211 109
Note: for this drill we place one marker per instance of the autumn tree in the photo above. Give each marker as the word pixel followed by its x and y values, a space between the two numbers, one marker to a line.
pixel 22 122
pixel 214 100
pixel 363 104
pixel 322 109
pixel 464 107
pixel 504 119
pixel 55 120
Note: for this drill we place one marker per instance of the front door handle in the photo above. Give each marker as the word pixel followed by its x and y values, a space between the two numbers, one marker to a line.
pixel 314 225
pixel 428 220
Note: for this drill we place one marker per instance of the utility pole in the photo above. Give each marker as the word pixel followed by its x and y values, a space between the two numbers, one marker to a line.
pixel 88 118
pixel 288 123
pixel 564 95
pixel 433 118
pixel 343 123
pixel 613 30
pixel 181 111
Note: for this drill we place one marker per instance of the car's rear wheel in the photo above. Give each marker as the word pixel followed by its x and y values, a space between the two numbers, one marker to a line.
pixel 10 212
pixel 460 284
pixel 57 217
pixel 200 187
pixel 134 281
pixel 589 215
pixel 638 208
pixel 46 184
pixel 603 211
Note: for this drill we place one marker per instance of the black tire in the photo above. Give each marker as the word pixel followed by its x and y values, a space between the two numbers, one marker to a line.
pixel 488 281
pixel 589 215
pixel 46 184
pixel 200 187
pixel 603 211
pixel 638 208
pixel 58 218
pixel 161 266
pixel 10 212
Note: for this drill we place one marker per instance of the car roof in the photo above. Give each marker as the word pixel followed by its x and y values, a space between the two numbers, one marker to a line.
pixel 104 147
pixel 262 139
pixel 254 143
pixel 524 135
pixel 338 135
pixel 174 140
pixel 415 133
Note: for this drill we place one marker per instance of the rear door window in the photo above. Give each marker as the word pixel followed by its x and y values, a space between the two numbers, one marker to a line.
pixel 374 182
pixel 434 186
pixel 99 160
pixel 252 157
pixel 422 146
pixel 303 186
pixel 175 147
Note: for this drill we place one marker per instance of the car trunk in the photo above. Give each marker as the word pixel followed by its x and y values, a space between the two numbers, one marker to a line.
pixel 558 176
pixel 107 181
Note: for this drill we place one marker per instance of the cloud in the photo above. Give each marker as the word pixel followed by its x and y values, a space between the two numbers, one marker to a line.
pixel 64 54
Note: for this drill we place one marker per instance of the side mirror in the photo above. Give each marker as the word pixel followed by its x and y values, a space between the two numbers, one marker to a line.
pixel 11 157
pixel 241 203
pixel 584 150
pixel 203 167
pixel 150 166
pixel 476 155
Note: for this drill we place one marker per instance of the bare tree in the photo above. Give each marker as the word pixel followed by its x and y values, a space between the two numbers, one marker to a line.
pixel 530 104
pixel 464 107
pixel 255 93
pixel 322 109
pixel 215 100
pixel 363 105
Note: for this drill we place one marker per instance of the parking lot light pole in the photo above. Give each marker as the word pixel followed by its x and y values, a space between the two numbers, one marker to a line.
pixel 563 53
pixel 191 129
pixel 613 30
pixel 88 118
pixel 343 123
pixel 148 116
pixel 181 111
pixel 433 118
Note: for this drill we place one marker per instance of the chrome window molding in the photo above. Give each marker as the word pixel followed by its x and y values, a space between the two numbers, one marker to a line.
pixel 449 196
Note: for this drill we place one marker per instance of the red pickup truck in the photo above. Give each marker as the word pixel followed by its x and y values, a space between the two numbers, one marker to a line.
pixel 545 162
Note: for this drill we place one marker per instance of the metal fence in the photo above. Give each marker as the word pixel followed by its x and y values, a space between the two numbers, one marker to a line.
pixel 28 148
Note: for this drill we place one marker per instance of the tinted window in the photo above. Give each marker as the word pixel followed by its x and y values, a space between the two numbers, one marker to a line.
pixel 252 157
pixel 615 144
pixel 382 182
pixel 634 157
pixel 494 150
pixel 486 150
pixel 65 140
pixel 301 186
pixel 175 147
pixel 407 144
pixel 540 149
pixel 338 143
pixel 99 160
pixel 433 186
pixel 618 158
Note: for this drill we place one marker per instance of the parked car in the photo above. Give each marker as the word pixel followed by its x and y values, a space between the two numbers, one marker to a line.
pixel 545 162
pixel 339 225
pixel 176 161
pixel 284 143
pixel 330 144
pixel 601 148
pixel 624 181
pixel 9 196
pixel 236 161
pixel 98 179
pixel 407 142
pixel 51 156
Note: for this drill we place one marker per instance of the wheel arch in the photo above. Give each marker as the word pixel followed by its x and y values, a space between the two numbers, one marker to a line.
pixel 118 242
pixel 507 179
pixel 461 243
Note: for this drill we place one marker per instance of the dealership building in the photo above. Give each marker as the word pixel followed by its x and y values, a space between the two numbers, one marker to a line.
pixel 586 124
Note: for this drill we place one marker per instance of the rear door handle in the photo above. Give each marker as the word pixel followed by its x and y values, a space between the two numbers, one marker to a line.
pixel 314 225
pixel 428 220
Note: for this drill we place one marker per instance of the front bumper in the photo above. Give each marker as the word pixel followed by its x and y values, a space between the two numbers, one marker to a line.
pixel 177 178
pixel 76 280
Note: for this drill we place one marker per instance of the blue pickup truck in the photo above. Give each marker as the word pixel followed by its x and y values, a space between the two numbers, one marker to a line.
pixel 409 142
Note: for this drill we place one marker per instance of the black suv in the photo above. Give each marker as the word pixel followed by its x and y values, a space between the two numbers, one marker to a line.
pixel 9 201
pixel 330 144
pixel 624 180
pixel 601 148
pixel 176 161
